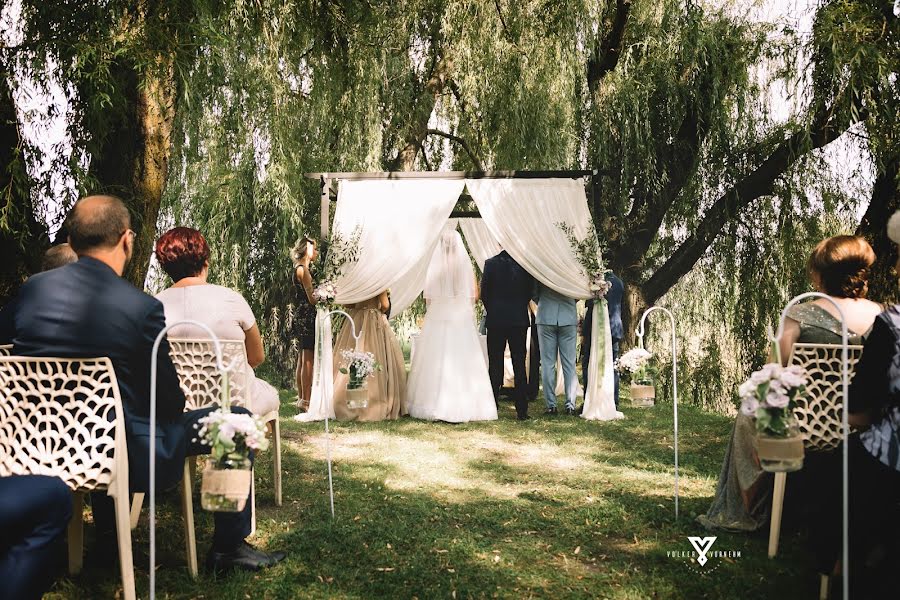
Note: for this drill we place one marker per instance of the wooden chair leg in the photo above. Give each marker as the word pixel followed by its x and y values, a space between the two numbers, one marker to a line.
pixel 777 506
pixel 123 531
pixel 187 508
pixel 824 587
pixel 76 534
pixel 277 476
pixel 137 503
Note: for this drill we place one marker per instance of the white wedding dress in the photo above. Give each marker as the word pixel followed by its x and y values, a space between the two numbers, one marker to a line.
pixel 449 378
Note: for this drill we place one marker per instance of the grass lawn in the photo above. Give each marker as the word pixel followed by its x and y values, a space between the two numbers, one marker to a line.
pixel 550 508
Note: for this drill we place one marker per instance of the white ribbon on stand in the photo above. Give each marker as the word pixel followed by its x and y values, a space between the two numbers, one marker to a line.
pixel 640 336
pixel 845 381
pixel 322 405
pixel 153 375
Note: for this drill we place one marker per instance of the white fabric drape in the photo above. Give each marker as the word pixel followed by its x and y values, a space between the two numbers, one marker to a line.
pixel 480 240
pixel 400 222
pixel 523 216
pixel 321 405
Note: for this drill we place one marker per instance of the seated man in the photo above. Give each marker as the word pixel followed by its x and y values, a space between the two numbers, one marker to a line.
pixel 86 309
pixel 34 512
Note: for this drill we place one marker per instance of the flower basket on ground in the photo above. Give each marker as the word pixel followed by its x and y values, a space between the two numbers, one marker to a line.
pixel 637 366
pixel 359 366
pixel 770 395
pixel 228 472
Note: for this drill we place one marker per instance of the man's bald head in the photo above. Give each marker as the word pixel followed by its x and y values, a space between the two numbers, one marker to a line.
pixel 97 222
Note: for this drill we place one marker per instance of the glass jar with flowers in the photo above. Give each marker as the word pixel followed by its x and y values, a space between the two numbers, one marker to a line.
pixel 228 471
pixel 637 366
pixel 359 365
pixel 769 395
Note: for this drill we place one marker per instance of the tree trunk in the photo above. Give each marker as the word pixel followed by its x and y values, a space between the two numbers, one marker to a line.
pixel 418 127
pixel 23 240
pixel 873 226
pixel 133 159
pixel 633 307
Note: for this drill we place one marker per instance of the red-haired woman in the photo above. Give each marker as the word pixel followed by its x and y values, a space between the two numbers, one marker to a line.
pixel 184 255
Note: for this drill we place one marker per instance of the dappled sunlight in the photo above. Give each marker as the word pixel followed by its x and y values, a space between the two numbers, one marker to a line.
pixel 457 465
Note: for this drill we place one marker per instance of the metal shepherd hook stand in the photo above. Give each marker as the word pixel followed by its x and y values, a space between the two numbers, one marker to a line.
pixel 845 381
pixel 640 336
pixel 356 336
pixel 153 363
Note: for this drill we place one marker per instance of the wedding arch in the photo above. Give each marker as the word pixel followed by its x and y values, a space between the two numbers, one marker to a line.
pixel 394 220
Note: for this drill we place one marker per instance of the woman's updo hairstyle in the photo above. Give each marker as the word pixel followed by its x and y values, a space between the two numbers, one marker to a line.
pixel 841 266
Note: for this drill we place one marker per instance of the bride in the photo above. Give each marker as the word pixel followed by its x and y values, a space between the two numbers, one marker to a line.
pixel 449 378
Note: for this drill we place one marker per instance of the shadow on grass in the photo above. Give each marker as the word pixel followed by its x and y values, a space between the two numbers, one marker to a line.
pixel 548 509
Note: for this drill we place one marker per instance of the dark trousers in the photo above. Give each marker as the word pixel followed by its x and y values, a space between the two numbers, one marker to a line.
pixel 231 528
pixel 34 511
pixel 586 360
pixel 497 339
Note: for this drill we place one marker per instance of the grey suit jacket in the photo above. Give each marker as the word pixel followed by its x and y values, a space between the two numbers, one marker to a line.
pixel 554 308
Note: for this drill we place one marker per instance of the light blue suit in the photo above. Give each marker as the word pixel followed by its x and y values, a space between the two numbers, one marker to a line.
pixel 557 322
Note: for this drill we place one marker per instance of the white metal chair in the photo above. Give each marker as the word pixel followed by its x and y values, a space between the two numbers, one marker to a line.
pixel 819 412
pixel 195 362
pixel 5 349
pixel 63 418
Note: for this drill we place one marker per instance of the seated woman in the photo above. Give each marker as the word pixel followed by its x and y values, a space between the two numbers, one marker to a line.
pixel 387 387
pixel 184 255
pixel 839 267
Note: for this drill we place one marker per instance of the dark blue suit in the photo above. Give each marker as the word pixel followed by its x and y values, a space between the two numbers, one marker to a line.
pixel 85 309
pixel 616 329
pixel 506 290
pixel 34 512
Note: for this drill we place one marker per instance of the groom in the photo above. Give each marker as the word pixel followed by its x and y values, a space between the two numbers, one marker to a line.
pixel 506 289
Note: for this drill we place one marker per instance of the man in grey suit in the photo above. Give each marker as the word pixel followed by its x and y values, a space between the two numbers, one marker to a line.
pixel 557 322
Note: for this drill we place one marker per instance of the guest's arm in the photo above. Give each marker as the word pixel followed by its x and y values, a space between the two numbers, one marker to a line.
pixel 789 337
pixel 486 279
pixel 253 342
pixel 869 388
pixel 303 278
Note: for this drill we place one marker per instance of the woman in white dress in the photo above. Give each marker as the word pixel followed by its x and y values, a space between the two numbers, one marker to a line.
pixel 449 377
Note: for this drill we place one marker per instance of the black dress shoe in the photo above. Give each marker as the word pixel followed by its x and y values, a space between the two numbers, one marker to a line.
pixel 571 412
pixel 522 417
pixel 245 557
pixel 551 411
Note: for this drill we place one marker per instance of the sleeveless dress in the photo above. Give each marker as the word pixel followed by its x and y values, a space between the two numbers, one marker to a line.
pixel 387 387
pixel 743 495
pixel 304 325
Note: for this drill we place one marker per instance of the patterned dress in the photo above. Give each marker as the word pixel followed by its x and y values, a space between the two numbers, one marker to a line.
pixel 304 316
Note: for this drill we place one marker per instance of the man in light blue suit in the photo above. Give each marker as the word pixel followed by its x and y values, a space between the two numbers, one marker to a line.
pixel 557 322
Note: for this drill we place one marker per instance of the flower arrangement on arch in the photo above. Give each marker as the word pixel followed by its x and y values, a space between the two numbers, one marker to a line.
pixel 770 394
pixel 325 293
pixel 360 365
pixel 637 365
pixel 589 255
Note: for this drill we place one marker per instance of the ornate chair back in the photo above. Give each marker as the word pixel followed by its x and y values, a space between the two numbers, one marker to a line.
pixel 62 417
pixel 819 408
pixel 198 373
pixel 6 349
